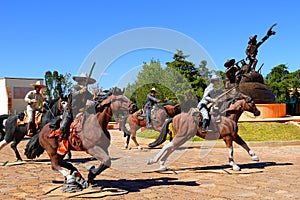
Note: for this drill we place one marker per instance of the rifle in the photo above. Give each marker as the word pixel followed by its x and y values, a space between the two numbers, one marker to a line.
pixel 87 80
pixel 260 68
pixel 90 74
pixel 220 96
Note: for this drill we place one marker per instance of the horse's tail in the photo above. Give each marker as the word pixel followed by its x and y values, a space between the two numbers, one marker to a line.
pixel 124 129
pixel 2 132
pixel 163 134
pixel 33 148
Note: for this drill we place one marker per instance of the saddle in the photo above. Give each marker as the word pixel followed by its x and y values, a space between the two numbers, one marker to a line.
pixel 141 115
pixel 37 119
pixel 74 138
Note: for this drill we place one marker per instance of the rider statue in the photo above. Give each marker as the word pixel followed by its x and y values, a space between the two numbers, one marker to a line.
pixel 81 101
pixel 35 101
pixel 253 45
pixel 206 99
pixel 231 73
pixel 151 100
pixel 81 97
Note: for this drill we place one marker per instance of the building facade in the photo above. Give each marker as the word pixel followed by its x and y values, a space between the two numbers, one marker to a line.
pixel 12 93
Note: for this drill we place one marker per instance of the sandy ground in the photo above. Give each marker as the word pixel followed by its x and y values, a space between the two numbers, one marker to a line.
pixel 194 173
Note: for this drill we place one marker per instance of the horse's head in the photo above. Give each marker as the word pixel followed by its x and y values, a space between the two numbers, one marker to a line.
pixel 246 103
pixel 173 110
pixel 250 106
pixel 64 103
pixel 117 101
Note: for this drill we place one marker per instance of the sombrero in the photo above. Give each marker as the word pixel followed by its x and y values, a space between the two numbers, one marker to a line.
pixel 38 84
pixel 83 77
pixel 229 63
pixel 214 78
pixel 153 90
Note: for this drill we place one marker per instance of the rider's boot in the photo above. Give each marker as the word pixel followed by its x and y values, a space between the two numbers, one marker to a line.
pixel 205 125
pixel 30 129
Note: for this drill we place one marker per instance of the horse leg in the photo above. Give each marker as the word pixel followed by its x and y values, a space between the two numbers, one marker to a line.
pixel 243 144
pixel 102 156
pixel 133 137
pixel 228 141
pixel 74 176
pixel 3 143
pixel 14 147
pixel 127 142
pixel 68 155
pixel 165 150
pixel 171 136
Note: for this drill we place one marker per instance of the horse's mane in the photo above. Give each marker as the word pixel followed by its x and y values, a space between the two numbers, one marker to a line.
pixel 52 102
pixel 224 104
pixel 104 95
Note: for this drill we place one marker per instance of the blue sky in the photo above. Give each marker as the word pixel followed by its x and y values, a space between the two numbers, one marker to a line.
pixel 37 36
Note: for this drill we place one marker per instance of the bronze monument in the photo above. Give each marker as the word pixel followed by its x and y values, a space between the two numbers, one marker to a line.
pixel 244 75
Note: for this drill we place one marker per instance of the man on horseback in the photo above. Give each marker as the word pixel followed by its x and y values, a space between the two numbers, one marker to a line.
pixel 81 101
pixel 151 100
pixel 35 101
pixel 80 95
pixel 206 99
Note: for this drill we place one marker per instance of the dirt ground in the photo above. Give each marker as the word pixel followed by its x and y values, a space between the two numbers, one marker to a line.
pixel 194 173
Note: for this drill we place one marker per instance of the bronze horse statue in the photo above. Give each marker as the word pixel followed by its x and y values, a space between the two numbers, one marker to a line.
pixel 186 126
pixel 136 121
pixel 94 136
pixel 15 133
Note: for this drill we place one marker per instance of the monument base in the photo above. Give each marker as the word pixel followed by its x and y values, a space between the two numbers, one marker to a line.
pixel 267 111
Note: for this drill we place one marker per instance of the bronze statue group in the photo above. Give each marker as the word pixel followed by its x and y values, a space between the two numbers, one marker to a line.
pixel 81 119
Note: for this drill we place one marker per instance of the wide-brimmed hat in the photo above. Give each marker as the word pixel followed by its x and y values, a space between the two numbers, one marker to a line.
pixel 38 84
pixel 214 78
pixel 153 90
pixel 83 77
pixel 229 63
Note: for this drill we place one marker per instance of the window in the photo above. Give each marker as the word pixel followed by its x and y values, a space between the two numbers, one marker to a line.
pixel 20 92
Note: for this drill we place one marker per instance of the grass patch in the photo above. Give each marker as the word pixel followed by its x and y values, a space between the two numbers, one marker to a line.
pixel 252 131
pixel 268 131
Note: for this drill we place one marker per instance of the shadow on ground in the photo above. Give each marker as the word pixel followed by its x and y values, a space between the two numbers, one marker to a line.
pixel 258 165
pixel 138 184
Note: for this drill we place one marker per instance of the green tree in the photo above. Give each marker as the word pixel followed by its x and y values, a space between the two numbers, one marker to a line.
pixel 193 75
pixel 294 81
pixel 171 85
pixel 57 84
pixel 279 81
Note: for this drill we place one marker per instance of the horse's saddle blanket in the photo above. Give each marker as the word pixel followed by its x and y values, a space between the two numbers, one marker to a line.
pixel 37 119
pixel 74 138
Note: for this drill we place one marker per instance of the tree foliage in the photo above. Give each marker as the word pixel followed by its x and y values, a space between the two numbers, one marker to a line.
pixel 171 85
pixel 57 84
pixel 284 84
pixel 194 76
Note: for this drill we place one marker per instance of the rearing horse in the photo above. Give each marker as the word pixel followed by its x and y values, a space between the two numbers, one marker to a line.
pixel 94 136
pixel 15 133
pixel 162 112
pixel 186 126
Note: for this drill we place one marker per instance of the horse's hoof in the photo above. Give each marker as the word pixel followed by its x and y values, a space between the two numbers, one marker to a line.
pixel 163 168
pixel 236 168
pixel 70 179
pixel 19 160
pixel 255 158
pixel 140 148
pixel 150 161
pixel 68 155
pixel 89 168
pixel 125 146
